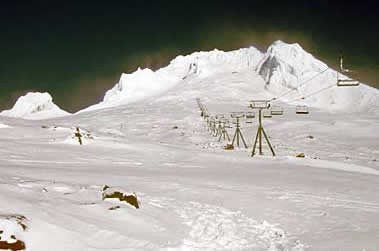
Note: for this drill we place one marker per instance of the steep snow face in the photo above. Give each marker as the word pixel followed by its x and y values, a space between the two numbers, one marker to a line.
pixel 145 83
pixel 287 67
pixel 136 86
pixel 283 65
pixel 35 105
pixel 205 64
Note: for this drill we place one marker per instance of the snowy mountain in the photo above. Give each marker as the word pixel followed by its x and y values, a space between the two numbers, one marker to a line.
pixel 35 105
pixel 145 83
pixel 151 146
pixel 287 67
pixel 284 68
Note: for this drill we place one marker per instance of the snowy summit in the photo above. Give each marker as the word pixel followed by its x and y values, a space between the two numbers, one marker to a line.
pixel 288 67
pixel 284 68
pixel 35 105
pixel 145 83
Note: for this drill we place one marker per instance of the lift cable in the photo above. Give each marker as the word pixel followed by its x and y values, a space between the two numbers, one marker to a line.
pixel 312 94
pixel 302 84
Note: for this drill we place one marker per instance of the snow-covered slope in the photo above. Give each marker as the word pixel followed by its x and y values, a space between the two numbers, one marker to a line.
pixel 145 83
pixel 284 68
pixel 287 67
pixel 193 194
pixel 35 105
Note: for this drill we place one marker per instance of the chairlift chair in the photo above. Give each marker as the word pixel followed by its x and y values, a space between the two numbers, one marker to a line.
pixel 302 109
pixel 259 104
pixel 276 110
pixel 226 123
pixel 249 121
pixel 345 82
pixel 250 115
pixel 237 115
pixel 220 116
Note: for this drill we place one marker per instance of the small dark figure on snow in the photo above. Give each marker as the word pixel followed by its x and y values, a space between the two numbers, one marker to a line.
pixel 78 135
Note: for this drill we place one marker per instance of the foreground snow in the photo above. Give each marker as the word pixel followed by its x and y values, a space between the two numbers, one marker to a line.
pixel 193 195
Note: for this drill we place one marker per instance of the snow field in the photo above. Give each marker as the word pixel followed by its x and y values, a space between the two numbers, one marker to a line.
pixel 193 194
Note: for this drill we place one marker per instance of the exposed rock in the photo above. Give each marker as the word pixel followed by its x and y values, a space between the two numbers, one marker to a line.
pixel 300 155
pixel 10 228
pixel 117 193
pixel 229 147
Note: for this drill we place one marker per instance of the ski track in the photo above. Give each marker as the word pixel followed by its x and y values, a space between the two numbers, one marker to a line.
pixel 209 227
pixel 217 228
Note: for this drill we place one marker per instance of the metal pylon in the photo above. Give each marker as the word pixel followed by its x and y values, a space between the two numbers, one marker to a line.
pixel 258 137
pixel 212 126
pixel 238 134
pixel 224 133
pixel 219 128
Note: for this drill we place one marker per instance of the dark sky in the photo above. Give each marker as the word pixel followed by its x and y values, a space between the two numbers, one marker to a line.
pixel 77 51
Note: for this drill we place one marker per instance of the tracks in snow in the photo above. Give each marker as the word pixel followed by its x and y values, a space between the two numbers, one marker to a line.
pixel 217 228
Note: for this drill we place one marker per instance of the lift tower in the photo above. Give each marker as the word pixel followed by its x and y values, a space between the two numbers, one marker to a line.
pixel 238 134
pixel 260 105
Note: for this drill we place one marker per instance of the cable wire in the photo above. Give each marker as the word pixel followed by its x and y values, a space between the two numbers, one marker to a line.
pixel 312 94
pixel 319 91
pixel 302 84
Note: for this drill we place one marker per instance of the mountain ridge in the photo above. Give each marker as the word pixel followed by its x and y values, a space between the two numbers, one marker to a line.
pixel 285 68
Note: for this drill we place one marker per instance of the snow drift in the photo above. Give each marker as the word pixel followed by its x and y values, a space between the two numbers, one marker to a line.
pixel 35 105
pixel 287 67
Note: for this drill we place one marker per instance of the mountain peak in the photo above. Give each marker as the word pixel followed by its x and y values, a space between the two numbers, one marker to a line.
pixel 35 105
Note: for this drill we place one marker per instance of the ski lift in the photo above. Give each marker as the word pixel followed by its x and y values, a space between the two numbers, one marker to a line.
pixel 220 116
pixel 259 104
pixel 250 115
pixel 237 115
pixel 276 110
pixel 302 109
pixel 345 82
pixel 226 123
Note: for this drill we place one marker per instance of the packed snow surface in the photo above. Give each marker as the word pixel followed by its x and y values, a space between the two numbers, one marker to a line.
pixel 193 194
pixel 35 105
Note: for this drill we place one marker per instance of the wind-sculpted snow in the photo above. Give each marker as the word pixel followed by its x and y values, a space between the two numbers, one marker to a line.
pixel 284 64
pixel 287 67
pixel 35 105
pixel 136 86
pixel 145 83
pixel 206 64
pixel 284 68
